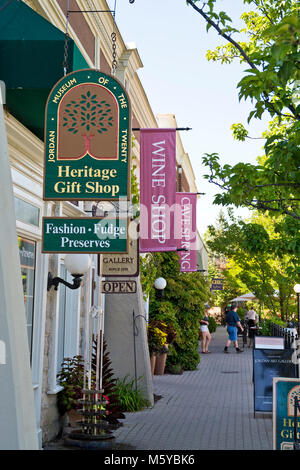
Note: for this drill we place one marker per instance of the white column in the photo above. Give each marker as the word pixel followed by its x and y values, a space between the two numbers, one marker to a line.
pixel 18 430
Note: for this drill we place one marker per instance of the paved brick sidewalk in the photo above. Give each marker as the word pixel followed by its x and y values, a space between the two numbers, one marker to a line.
pixel 210 408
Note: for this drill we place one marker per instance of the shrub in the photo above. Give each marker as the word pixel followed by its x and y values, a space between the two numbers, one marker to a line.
pixel 131 398
pixel 182 307
pixel 212 324
pixel 109 385
pixel 71 378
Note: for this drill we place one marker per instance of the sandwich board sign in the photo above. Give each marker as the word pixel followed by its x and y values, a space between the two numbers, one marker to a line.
pixel 87 138
pixel 267 364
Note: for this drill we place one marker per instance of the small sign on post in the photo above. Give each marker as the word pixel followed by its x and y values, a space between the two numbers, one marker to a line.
pixel 216 284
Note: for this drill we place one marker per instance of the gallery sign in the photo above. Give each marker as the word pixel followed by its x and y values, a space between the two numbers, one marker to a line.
pixel 87 138
pixel 84 235
pixel 125 265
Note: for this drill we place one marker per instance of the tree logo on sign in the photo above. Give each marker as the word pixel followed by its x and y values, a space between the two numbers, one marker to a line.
pixel 87 116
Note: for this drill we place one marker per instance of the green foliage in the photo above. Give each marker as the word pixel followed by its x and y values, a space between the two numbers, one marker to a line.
pixel 157 335
pixel 212 324
pixel 239 132
pixel 109 385
pixel 131 397
pixel 253 260
pixel 266 325
pixel 71 377
pixel 135 192
pixel 241 313
pixel 269 46
pixel 174 369
pixel 181 308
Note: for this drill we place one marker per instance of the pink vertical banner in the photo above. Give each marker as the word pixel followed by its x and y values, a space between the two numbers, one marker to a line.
pixel 186 230
pixel 157 189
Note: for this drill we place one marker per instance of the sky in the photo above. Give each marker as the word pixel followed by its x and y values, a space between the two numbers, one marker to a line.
pixel 172 41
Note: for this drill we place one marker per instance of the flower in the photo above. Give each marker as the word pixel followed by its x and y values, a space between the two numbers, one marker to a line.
pixel 157 335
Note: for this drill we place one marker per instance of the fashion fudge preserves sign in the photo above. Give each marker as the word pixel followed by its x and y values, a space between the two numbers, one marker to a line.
pixel 87 138
pixel 84 235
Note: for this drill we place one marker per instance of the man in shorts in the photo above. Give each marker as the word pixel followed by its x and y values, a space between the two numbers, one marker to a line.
pixel 233 322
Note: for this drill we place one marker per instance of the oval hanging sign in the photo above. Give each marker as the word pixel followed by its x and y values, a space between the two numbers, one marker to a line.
pixel 87 138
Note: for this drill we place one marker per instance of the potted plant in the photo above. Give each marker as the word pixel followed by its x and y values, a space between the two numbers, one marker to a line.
pixel 71 378
pixel 162 354
pixel 157 338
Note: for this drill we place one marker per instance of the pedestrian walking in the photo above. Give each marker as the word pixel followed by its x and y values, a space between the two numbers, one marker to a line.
pixel 233 323
pixel 205 334
pixel 252 321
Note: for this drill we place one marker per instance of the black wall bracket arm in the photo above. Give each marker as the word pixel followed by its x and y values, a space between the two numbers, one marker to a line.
pixel 55 281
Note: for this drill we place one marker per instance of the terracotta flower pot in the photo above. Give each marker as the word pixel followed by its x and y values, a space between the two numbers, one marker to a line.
pixel 74 417
pixel 152 362
pixel 160 363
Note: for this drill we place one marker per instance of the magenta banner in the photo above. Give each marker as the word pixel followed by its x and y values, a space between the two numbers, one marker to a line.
pixel 157 190
pixel 186 230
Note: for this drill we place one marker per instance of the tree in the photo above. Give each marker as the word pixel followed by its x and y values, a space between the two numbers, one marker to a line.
pixel 88 115
pixel 271 82
pixel 250 248
pixel 220 267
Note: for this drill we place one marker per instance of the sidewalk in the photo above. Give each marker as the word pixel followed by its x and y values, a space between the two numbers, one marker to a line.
pixel 210 408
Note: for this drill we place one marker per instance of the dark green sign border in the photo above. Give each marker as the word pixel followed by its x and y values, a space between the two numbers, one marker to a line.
pixel 51 125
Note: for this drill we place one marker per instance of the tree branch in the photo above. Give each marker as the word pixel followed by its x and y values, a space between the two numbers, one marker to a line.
pixel 224 35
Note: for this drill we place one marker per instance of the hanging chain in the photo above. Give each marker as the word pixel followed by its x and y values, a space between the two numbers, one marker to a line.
pixel 113 37
pixel 114 42
pixel 114 52
pixel 65 62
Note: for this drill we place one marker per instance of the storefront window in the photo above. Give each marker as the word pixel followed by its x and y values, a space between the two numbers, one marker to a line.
pixel 26 212
pixel 27 259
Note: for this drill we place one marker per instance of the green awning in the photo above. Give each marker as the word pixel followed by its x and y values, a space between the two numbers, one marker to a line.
pixel 31 61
